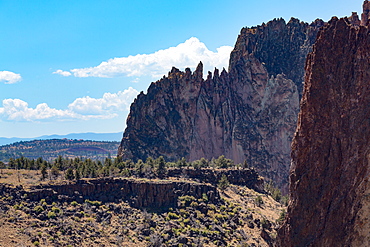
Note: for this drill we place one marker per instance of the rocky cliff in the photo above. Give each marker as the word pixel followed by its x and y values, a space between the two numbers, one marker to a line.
pixel 330 188
pixel 248 113
pixel 139 193
pixel 281 47
pixel 243 177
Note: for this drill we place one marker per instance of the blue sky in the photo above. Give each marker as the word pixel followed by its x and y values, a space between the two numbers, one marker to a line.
pixel 75 66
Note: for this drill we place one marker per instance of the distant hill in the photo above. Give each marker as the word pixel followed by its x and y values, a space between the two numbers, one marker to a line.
pixel 51 149
pixel 84 136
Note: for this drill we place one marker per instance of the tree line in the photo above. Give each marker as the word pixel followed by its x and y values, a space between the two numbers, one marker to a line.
pixel 77 168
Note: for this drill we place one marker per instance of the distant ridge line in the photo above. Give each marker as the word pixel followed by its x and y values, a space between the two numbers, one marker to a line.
pixel 84 136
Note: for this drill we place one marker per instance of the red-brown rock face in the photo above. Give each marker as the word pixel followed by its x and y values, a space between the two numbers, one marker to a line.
pixel 248 113
pixel 330 203
pixel 365 17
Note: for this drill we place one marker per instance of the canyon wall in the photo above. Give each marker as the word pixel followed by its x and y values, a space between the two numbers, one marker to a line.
pixel 139 193
pixel 248 113
pixel 329 178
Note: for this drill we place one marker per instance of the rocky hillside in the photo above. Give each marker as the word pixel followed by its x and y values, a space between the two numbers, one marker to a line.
pixel 140 193
pixel 329 178
pixel 248 113
pixel 135 212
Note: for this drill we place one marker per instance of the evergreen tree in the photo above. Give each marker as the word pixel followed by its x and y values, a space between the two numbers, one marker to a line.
pixel 58 162
pixel 245 165
pixel 149 161
pixel 93 173
pixel 181 163
pixel 11 163
pixel 161 167
pixel 77 174
pixel 108 162
pixel 39 162
pixel 69 174
pixel 44 172
pixel 54 172
pixel 223 183
pixel 32 165
pixel 222 162
pixel 203 163
pixel 139 168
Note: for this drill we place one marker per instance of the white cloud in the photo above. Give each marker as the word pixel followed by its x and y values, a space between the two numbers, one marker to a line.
pixel 9 77
pixel 111 103
pixel 109 106
pixel 18 110
pixel 187 54
pixel 136 80
pixel 63 73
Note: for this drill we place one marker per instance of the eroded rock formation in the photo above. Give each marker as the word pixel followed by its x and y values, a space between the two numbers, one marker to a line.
pixel 281 47
pixel 248 113
pixel 139 193
pixel 330 204
pixel 242 177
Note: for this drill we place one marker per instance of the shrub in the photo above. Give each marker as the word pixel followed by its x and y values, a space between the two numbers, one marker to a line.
pixel 185 201
pixel 93 203
pixel 38 209
pixel 74 203
pixel 56 210
pixel 274 192
pixel 265 223
pixel 172 216
pixel 205 197
pixel 43 202
pixel 51 215
pixel 126 173
pixel 284 200
pixel 281 217
pixel 183 212
pixel 258 201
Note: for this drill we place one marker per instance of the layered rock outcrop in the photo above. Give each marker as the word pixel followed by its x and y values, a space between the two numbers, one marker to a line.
pixel 139 193
pixel 242 177
pixel 330 187
pixel 248 113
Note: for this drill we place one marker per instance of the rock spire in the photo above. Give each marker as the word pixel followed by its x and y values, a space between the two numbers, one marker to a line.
pixel 329 177
pixel 246 113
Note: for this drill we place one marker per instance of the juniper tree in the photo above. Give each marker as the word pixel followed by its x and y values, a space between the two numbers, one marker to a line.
pixel 69 174
pixel 223 183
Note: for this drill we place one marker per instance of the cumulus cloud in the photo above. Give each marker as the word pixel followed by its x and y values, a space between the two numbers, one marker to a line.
pixel 18 110
pixel 63 73
pixel 111 103
pixel 109 106
pixel 9 77
pixel 187 54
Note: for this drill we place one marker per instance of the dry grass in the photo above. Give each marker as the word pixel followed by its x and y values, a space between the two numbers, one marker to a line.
pixel 269 210
pixel 19 177
pixel 17 228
